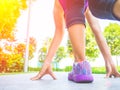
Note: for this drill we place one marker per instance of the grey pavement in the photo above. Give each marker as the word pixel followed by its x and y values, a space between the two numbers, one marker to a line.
pixel 23 82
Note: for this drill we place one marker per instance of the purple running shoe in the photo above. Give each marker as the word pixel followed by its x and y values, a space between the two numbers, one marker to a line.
pixel 81 73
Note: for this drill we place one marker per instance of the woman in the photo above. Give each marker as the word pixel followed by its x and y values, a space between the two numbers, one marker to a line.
pixel 59 32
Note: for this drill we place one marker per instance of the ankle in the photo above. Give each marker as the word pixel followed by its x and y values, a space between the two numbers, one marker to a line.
pixel 77 60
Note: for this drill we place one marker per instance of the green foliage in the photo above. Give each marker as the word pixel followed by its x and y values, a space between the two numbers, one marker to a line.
pixel 112 34
pixel 60 54
pixel 43 50
pixel 68 68
pixel 92 51
pixel 69 48
pixel 42 53
pixel 95 70
pixel 31 69
pixel 98 70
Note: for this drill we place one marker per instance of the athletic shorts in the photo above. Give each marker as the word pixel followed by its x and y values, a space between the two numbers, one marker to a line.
pixel 73 11
pixel 102 9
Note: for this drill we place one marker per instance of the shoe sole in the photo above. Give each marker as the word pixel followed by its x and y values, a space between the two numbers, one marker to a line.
pixel 81 78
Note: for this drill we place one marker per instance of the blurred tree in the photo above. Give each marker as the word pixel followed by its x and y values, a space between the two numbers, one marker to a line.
pixel 60 54
pixel 43 50
pixel 11 51
pixel 69 48
pixel 92 50
pixel 13 55
pixel 42 54
pixel 112 34
pixel 9 13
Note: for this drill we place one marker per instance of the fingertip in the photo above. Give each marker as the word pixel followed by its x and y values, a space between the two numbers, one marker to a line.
pixel 55 78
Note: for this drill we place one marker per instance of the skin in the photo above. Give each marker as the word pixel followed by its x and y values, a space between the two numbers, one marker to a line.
pixel 105 50
pixel 116 9
pixel 76 33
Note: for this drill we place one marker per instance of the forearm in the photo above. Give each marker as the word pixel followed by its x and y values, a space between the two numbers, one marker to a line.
pixel 94 24
pixel 54 45
pixel 59 31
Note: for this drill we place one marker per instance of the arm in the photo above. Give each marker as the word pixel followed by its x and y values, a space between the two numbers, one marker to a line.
pixel 58 35
pixel 104 48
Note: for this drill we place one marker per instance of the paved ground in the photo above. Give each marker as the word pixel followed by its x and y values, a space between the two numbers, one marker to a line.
pixel 23 82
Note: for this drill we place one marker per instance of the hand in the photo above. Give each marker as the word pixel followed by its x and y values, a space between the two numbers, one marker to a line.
pixel 46 69
pixel 111 71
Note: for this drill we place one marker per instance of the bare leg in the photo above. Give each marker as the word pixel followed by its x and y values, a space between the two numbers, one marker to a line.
pixel 109 64
pixel 77 37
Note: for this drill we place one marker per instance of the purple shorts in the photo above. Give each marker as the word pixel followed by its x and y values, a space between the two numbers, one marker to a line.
pixel 73 11
pixel 103 9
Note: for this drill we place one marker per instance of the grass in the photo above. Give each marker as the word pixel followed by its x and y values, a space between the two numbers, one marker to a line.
pixel 98 70
pixel 95 70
